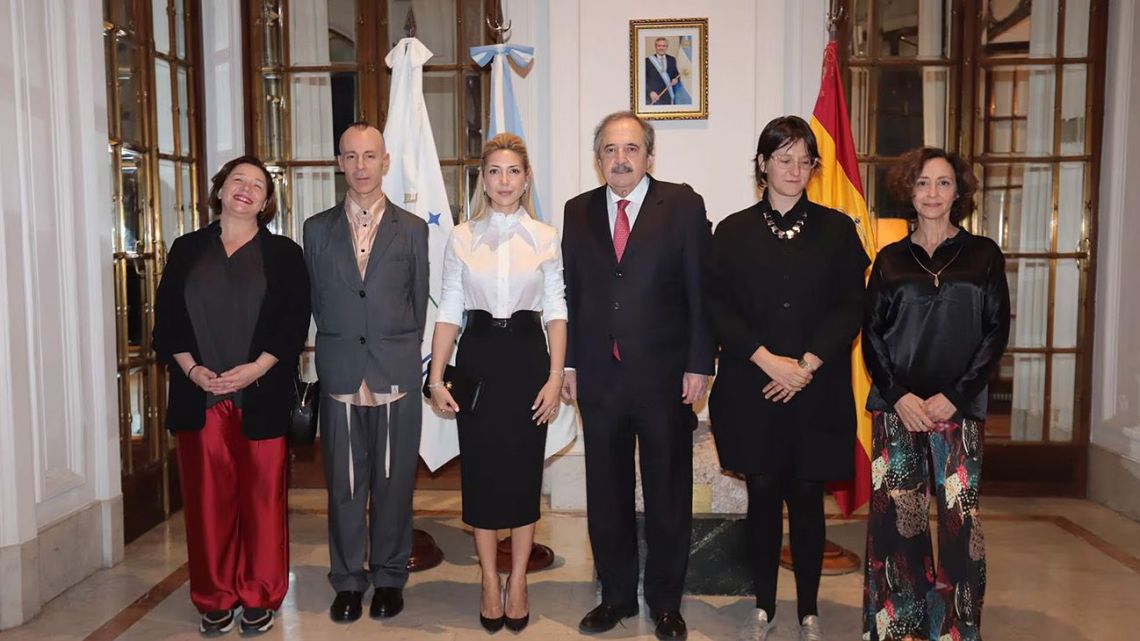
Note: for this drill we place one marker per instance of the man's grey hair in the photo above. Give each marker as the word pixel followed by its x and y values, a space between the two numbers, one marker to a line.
pixel 646 130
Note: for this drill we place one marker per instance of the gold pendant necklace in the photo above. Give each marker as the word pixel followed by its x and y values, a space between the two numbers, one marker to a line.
pixel 936 274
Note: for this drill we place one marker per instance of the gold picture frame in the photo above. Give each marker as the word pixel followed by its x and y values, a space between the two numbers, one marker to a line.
pixel 669 68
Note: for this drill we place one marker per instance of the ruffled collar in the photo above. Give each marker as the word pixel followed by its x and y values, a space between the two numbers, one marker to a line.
pixel 497 228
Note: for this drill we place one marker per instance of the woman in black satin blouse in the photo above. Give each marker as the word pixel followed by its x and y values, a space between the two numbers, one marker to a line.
pixel 935 326
pixel 784 292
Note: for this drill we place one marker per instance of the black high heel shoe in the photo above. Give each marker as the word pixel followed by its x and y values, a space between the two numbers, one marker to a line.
pixel 491 624
pixel 514 625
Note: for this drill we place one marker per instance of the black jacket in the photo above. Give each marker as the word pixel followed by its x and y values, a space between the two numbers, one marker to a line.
pixel 791 296
pixel 650 301
pixel 281 329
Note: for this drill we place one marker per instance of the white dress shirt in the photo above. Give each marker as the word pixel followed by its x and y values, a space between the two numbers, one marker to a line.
pixel 635 198
pixel 502 264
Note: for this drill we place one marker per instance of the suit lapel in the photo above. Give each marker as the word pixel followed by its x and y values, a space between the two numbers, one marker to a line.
pixel 648 217
pixel 340 242
pixel 598 218
pixel 389 225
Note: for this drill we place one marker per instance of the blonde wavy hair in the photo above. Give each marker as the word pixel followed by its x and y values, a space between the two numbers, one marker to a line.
pixel 481 202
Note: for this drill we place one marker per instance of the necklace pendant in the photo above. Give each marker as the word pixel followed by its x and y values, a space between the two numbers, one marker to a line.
pixel 936 281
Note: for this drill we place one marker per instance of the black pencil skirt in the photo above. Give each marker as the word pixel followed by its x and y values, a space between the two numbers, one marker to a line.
pixel 500 445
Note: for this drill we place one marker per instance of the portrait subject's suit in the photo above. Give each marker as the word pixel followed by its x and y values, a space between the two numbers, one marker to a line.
pixel 655 83
pixel 369 329
pixel 650 304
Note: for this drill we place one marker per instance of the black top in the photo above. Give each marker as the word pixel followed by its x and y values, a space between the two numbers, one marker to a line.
pixel 924 339
pixel 281 327
pixel 796 295
pixel 223 298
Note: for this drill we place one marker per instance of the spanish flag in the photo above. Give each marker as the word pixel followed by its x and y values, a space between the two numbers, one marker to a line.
pixel 837 185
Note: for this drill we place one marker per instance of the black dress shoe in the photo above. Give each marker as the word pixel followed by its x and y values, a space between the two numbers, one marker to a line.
pixel 386 603
pixel 605 617
pixel 670 626
pixel 346 606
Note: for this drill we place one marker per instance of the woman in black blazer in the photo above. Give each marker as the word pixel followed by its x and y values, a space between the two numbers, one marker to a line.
pixel 231 318
pixel 784 294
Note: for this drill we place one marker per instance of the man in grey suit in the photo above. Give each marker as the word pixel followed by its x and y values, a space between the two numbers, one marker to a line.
pixel 368 265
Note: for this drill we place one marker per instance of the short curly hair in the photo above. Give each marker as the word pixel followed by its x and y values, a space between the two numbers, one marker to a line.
pixel 903 175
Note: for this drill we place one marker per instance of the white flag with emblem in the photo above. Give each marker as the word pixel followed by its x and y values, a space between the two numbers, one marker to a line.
pixel 415 182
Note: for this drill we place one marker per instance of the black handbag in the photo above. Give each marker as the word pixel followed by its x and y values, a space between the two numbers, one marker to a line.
pixel 465 389
pixel 303 418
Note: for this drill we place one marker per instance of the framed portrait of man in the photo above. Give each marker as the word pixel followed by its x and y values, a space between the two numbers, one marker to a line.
pixel 668 68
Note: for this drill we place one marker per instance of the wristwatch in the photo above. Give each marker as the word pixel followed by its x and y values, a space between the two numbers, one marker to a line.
pixel 804 364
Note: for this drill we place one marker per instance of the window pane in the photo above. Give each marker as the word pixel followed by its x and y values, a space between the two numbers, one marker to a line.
pixel 137 300
pixel 184 109
pixel 180 28
pixel 1066 303
pixel 130 112
pixel 272 121
pixel 451 181
pixel 345 109
pixel 473 112
pixel 313 190
pixel 885 204
pixel 1017 112
pixel 1029 300
pixel 186 207
pixel 435 26
pixel 1073 88
pixel 1016 205
pixel 1077 13
pixel 164 105
pixel 137 383
pixel 1062 397
pixel 311 115
pixel 1071 200
pixel 474 26
pixel 439 94
pixel 342 30
pixel 911 106
pixel 167 204
pixel 1028 403
pixel 912 28
pixel 134 201
pixel 1018 28
pixel 161 21
pixel 859 93
pixel 860 28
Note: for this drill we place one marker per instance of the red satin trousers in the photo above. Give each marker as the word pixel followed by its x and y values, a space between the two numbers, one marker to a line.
pixel 234 503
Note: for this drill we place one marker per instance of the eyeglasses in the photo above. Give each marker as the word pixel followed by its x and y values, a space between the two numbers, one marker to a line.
pixel 787 162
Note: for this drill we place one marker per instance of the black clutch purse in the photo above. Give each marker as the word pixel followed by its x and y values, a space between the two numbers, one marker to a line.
pixel 303 418
pixel 464 388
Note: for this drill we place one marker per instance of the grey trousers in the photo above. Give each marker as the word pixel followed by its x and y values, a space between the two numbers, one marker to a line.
pixel 383 482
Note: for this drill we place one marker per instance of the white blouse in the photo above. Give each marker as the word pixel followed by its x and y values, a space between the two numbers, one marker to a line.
pixel 502 264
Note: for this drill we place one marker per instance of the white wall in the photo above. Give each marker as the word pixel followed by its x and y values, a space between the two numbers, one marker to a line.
pixel 1116 356
pixel 60 502
pixel 764 61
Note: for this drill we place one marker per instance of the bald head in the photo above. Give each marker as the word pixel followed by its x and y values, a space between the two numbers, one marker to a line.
pixel 364 161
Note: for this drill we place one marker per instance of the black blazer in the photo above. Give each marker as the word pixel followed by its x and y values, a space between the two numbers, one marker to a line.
pixel 791 296
pixel 650 301
pixel 282 326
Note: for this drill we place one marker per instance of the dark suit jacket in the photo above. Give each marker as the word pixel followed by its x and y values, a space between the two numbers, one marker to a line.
pixel 282 325
pixel 650 302
pixel 654 82
pixel 371 328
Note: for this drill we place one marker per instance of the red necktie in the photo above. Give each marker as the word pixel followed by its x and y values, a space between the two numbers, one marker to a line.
pixel 621 229
pixel 621 237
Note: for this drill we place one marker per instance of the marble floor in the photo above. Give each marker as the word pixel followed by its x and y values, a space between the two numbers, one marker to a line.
pixel 1059 570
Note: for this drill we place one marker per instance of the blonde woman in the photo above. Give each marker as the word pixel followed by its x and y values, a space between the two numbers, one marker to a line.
pixel 504 269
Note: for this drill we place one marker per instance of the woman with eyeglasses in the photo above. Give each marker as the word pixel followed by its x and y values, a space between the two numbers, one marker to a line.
pixel 935 327
pixel 785 299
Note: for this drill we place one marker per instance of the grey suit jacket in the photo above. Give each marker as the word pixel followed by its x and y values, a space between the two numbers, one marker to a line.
pixel 372 328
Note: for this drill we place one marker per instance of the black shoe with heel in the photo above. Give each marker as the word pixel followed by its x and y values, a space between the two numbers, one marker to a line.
pixel 514 625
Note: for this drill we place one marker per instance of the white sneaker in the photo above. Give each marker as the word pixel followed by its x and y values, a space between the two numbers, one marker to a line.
pixel 810 629
pixel 756 627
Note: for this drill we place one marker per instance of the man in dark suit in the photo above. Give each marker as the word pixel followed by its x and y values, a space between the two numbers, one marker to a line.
pixel 661 75
pixel 638 357
pixel 368 267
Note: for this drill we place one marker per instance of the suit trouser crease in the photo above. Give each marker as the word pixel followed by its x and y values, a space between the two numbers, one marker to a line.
pixel 237 541
pixel 353 443
pixel 663 438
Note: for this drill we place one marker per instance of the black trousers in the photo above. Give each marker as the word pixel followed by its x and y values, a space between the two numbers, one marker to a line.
pixel 766 495
pixel 660 428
